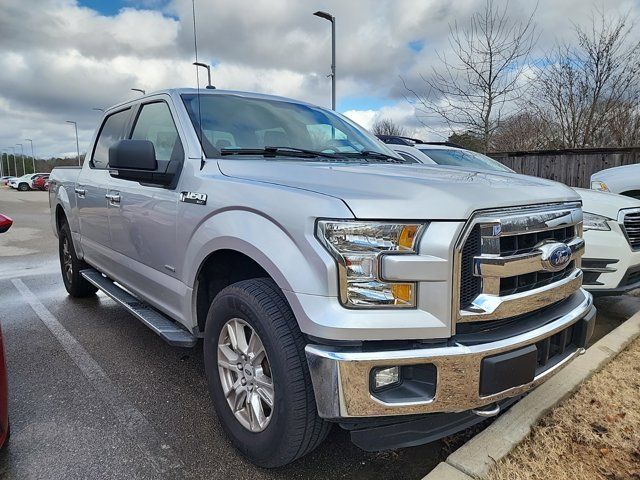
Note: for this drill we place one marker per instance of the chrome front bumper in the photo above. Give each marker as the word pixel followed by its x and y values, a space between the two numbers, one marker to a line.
pixel 341 376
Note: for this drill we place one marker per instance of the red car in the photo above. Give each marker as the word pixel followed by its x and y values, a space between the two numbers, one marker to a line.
pixel 39 182
pixel 5 223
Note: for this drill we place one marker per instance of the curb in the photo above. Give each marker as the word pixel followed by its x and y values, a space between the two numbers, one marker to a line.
pixel 474 459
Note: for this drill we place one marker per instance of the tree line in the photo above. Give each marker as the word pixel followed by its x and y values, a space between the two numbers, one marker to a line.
pixel 42 165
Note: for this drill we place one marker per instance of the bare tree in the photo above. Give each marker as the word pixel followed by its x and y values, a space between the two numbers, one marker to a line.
pixel 523 131
pixel 386 126
pixel 583 91
pixel 481 75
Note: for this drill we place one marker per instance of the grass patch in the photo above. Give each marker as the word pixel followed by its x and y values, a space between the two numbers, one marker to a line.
pixel 595 434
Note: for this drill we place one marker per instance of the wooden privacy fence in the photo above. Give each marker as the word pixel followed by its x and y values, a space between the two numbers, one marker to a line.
pixel 572 167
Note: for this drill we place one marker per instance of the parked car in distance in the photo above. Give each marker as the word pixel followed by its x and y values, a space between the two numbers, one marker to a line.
pixel 5 224
pixel 332 282
pixel 38 182
pixel 6 180
pixel 23 183
pixel 624 180
pixel 611 262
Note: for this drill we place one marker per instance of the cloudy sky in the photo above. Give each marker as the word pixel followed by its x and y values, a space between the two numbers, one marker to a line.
pixel 59 59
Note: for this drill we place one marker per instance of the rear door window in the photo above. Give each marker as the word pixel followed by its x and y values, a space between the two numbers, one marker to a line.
pixel 112 131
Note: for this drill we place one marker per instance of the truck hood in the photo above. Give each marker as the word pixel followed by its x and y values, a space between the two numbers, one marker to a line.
pixel 604 203
pixel 391 191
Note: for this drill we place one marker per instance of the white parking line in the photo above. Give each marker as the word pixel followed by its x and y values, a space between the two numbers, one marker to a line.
pixel 135 424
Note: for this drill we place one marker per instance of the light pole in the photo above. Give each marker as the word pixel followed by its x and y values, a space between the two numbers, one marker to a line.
pixel 77 143
pixel 33 157
pixel 2 163
pixel 208 67
pixel 139 90
pixel 15 170
pixel 332 19
pixel 24 170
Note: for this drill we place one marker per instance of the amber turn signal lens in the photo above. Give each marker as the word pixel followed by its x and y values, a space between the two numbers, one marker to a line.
pixel 408 236
pixel 402 292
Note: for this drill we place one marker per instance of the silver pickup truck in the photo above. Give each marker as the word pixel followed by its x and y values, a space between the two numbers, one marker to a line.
pixel 330 281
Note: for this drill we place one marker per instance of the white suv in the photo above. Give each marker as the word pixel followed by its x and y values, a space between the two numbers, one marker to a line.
pixel 611 262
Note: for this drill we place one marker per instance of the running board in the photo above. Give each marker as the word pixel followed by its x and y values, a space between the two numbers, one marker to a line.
pixel 156 321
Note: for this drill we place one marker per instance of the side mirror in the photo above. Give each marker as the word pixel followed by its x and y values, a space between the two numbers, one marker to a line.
pixel 133 155
pixel 5 223
pixel 136 160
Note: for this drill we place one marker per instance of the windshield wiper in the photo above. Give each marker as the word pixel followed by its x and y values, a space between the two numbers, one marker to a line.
pixel 375 155
pixel 269 151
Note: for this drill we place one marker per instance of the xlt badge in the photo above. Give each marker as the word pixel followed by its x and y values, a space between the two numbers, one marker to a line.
pixel 194 197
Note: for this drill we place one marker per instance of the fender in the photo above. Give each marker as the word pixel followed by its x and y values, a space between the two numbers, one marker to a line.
pixel 301 266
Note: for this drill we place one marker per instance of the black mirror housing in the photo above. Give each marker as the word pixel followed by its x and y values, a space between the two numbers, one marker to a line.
pixel 136 160
pixel 133 155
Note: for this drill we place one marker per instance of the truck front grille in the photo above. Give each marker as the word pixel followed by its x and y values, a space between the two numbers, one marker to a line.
pixel 519 260
pixel 529 281
pixel 631 223
pixel 470 285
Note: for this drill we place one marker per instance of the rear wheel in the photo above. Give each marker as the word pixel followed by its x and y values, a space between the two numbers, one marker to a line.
pixel 258 375
pixel 74 282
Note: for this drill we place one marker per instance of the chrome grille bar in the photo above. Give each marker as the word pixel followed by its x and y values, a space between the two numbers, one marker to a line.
pixel 542 260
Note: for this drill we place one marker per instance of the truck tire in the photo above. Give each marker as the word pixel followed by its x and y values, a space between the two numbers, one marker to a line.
pixel 253 351
pixel 23 187
pixel 77 286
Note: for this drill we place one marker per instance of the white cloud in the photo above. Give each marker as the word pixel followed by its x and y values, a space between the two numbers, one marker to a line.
pixel 59 60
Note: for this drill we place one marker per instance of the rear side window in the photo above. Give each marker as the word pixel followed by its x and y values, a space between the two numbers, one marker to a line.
pixel 155 124
pixel 112 131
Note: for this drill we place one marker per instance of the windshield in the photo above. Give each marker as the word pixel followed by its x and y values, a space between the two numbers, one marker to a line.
pixel 234 122
pixel 463 158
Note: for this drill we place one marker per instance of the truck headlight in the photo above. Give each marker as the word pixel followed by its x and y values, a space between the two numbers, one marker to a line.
pixel 598 185
pixel 357 247
pixel 591 221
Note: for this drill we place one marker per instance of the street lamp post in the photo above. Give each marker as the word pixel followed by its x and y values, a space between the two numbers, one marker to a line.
pixel 15 170
pixel 208 67
pixel 139 90
pixel 24 170
pixel 77 143
pixel 33 157
pixel 332 19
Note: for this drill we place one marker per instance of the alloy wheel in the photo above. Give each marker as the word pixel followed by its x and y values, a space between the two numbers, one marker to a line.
pixel 67 262
pixel 245 375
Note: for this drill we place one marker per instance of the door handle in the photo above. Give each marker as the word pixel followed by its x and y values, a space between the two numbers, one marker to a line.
pixel 81 192
pixel 114 198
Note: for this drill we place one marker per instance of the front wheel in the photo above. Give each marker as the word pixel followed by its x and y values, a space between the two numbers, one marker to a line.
pixel 258 375
pixel 23 187
pixel 74 282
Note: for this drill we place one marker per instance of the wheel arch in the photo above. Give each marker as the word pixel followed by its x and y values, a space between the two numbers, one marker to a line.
pixel 247 245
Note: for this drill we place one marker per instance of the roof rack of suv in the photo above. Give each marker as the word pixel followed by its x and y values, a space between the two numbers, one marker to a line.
pixel 401 140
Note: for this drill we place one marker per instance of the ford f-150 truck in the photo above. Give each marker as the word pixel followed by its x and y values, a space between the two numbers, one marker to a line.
pixel 330 280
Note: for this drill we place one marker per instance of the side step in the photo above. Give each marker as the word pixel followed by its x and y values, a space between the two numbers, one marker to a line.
pixel 156 321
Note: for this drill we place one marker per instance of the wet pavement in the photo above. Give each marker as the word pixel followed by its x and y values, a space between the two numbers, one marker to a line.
pixel 95 394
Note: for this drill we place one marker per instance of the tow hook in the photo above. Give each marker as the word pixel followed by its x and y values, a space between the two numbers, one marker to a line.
pixel 490 410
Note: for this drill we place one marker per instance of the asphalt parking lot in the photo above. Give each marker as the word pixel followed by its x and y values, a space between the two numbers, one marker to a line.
pixel 95 394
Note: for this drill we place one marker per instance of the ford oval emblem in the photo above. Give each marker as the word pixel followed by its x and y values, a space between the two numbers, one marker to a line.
pixel 555 256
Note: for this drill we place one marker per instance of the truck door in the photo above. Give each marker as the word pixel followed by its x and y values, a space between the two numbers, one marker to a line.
pixel 143 218
pixel 91 189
